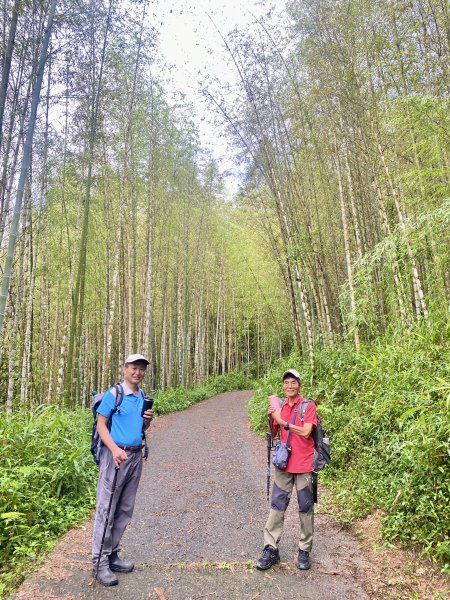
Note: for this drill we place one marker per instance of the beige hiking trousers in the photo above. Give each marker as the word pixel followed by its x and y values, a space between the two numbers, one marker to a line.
pixel 281 495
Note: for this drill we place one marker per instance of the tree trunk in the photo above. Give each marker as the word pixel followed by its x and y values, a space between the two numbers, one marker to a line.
pixel 26 159
pixel 348 258
pixel 7 63
pixel 419 299
pixel 78 295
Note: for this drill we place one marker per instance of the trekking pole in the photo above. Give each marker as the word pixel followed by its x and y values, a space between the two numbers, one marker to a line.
pixel 113 489
pixel 314 486
pixel 269 448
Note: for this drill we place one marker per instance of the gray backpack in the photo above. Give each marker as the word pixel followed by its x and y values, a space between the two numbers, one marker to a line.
pixel 96 442
pixel 322 455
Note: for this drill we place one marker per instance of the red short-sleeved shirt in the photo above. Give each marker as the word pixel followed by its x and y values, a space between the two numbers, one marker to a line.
pixel 301 458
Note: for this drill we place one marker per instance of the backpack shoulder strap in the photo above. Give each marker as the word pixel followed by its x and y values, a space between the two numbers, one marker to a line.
pixel 119 394
pixel 303 407
pixel 293 421
pixel 119 397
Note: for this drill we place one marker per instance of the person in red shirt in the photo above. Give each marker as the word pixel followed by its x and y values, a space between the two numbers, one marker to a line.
pixel 298 472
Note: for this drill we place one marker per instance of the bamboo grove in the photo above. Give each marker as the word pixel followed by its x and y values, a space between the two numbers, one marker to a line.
pixel 344 120
pixel 125 240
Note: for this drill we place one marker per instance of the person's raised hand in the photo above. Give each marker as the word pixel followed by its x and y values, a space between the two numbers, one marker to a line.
pixel 148 416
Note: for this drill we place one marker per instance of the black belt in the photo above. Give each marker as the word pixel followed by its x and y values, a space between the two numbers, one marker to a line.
pixel 130 448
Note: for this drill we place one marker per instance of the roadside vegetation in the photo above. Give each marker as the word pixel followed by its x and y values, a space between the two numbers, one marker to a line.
pixel 48 477
pixel 387 412
pixel 46 484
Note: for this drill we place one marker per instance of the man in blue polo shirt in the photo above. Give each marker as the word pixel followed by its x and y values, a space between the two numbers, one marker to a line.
pixel 122 450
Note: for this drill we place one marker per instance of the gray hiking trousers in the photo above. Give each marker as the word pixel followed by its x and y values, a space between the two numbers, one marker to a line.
pixel 281 495
pixel 122 505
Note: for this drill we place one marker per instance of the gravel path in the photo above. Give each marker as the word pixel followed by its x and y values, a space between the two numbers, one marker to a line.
pixel 197 527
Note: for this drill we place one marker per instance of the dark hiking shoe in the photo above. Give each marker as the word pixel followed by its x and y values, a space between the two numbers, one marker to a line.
pixel 105 576
pixel 119 565
pixel 270 556
pixel 303 562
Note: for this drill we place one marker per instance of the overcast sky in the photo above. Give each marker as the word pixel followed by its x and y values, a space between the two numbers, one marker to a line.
pixel 189 40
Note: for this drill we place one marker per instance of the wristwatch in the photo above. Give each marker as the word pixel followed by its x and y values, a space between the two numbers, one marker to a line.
pixel 286 426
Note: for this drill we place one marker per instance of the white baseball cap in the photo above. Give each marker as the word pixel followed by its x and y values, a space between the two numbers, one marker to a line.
pixel 292 372
pixel 136 358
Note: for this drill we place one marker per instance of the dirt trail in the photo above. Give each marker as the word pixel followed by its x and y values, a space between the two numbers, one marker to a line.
pixel 197 527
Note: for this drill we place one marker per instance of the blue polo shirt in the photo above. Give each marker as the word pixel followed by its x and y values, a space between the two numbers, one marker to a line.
pixel 126 427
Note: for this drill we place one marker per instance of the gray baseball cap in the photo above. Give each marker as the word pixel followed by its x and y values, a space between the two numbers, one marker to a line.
pixel 136 358
pixel 294 374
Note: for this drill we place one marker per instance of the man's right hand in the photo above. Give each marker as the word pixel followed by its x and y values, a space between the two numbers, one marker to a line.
pixel 270 411
pixel 119 456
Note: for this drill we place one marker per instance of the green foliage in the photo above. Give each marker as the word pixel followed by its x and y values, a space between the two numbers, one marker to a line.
pixel 46 483
pixel 174 399
pixel 387 412
pixel 374 272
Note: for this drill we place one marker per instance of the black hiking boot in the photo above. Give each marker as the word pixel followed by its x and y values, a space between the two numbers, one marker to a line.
pixel 105 576
pixel 303 562
pixel 119 565
pixel 270 556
